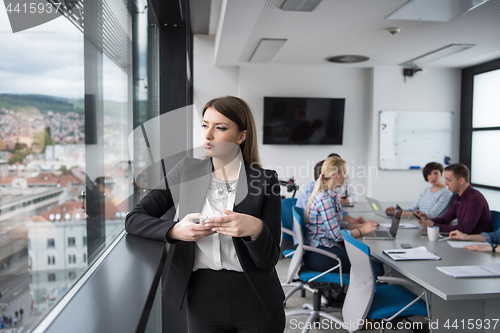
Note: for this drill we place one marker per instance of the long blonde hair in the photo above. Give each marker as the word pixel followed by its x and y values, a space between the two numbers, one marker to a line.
pixel 331 166
pixel 238 111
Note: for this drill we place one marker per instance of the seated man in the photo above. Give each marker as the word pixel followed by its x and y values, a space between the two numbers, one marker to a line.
pixel 491 237
pixel 468 205
pixel 305 194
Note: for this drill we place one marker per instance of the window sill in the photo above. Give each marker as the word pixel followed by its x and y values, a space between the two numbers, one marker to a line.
pixel 118 295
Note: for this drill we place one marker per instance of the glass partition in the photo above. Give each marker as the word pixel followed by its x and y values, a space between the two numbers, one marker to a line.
pixel 69 98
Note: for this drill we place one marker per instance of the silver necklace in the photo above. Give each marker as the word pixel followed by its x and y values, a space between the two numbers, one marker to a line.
pixel 219 191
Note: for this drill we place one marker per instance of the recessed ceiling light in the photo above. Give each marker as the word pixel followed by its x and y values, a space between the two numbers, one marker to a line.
pixel 436 54
pixel 266 50
pixel 347 59
pixel 432 10
pixel 300 5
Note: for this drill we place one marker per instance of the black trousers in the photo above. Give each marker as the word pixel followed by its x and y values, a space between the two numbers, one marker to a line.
pixel 224 301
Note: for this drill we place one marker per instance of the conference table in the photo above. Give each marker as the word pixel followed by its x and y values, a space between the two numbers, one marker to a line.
pixel 457 305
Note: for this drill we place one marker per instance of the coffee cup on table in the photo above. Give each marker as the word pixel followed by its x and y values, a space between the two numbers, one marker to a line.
pixel 433 233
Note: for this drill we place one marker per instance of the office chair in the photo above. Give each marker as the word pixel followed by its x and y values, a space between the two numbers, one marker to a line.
pixel 314 281
pixel 287 236
pixel 495 216
pixel 287 233
pixel 365 299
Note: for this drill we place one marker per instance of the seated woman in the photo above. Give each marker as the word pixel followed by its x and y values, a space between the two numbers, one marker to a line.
pixel 493 238
pixel 324 219
pixel 435 199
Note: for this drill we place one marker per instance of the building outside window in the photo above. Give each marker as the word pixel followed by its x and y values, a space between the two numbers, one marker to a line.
pixel 65 165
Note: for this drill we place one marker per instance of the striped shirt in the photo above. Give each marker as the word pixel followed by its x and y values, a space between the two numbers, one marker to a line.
pixel 433 204
pixel 324 222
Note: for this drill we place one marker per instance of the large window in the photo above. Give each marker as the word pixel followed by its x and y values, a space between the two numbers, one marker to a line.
pixel 69 98
pixel 481 128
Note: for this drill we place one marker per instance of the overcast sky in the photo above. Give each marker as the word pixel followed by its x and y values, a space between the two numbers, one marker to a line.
pixel 48 60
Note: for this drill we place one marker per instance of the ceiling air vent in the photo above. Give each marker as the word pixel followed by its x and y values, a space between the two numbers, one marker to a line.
pixel 347 59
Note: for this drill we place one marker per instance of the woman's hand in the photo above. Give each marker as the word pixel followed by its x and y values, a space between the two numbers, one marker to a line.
pixel 478 247
pixel 368 227
pixel 408 213
pixel 390 210
pixel 186 230
pixel 359 220
pixel 236 225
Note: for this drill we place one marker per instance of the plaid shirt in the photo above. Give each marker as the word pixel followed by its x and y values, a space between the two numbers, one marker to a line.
pixel 324 221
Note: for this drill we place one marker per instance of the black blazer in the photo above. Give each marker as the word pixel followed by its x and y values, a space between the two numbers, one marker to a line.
pixel 186 187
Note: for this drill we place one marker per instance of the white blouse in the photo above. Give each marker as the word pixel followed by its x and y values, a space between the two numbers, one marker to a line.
pixel 217 251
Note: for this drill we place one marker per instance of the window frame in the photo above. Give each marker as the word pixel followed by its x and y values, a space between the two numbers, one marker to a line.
pixel 466 127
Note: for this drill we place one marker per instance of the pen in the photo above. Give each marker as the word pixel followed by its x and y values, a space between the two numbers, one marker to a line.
pixel 392 252
pixel 445 239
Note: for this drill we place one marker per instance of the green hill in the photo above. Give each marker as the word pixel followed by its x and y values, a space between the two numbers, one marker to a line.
pixel 41 102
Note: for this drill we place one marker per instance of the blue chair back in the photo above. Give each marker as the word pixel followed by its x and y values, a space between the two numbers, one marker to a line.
pixel 495 216
pixel 287 216
pixel 299 214
pixel 360 245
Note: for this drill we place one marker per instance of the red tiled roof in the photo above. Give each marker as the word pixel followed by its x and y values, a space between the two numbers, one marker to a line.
pixel 7 180
pixel 67 178
pixel 72 211
pixel 43 179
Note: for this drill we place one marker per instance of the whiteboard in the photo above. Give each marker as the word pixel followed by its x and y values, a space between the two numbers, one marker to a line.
pixel 410 140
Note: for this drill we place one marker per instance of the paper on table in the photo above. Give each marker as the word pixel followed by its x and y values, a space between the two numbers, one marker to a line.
pixel 471 271
pixel 461 244
pixel 418 253
pixel 401 226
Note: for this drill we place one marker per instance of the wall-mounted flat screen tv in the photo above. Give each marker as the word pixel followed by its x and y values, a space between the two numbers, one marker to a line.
pixel 303 121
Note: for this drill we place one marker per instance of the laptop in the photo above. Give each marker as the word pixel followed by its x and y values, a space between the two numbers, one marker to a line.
pixel 387 234
pixel 379 210
pixel 377 207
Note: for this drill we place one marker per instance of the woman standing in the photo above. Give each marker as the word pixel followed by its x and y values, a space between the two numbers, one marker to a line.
pixel 225 260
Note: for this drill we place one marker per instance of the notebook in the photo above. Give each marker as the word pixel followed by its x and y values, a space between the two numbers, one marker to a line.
pixel 488 270
pixel 461 244
pixel 387 234
pixel 418 253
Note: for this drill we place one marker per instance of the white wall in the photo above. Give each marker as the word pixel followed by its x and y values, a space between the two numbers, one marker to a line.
pixel 209 81
pixel 367 91
pixel 298 161
pixel 432 90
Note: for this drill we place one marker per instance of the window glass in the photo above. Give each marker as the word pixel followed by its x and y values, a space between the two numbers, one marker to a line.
pixel 486 100
pixel 46 160
pixel 484 160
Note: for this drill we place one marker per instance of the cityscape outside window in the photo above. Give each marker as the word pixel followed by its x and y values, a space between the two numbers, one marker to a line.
pixel 53 173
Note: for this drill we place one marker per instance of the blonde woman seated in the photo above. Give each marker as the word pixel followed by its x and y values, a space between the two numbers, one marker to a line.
pixel 324 220
pixel 435 199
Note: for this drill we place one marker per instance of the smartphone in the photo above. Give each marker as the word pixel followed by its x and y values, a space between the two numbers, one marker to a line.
pixel 417 216
pixel 196 221
pixel 406 246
